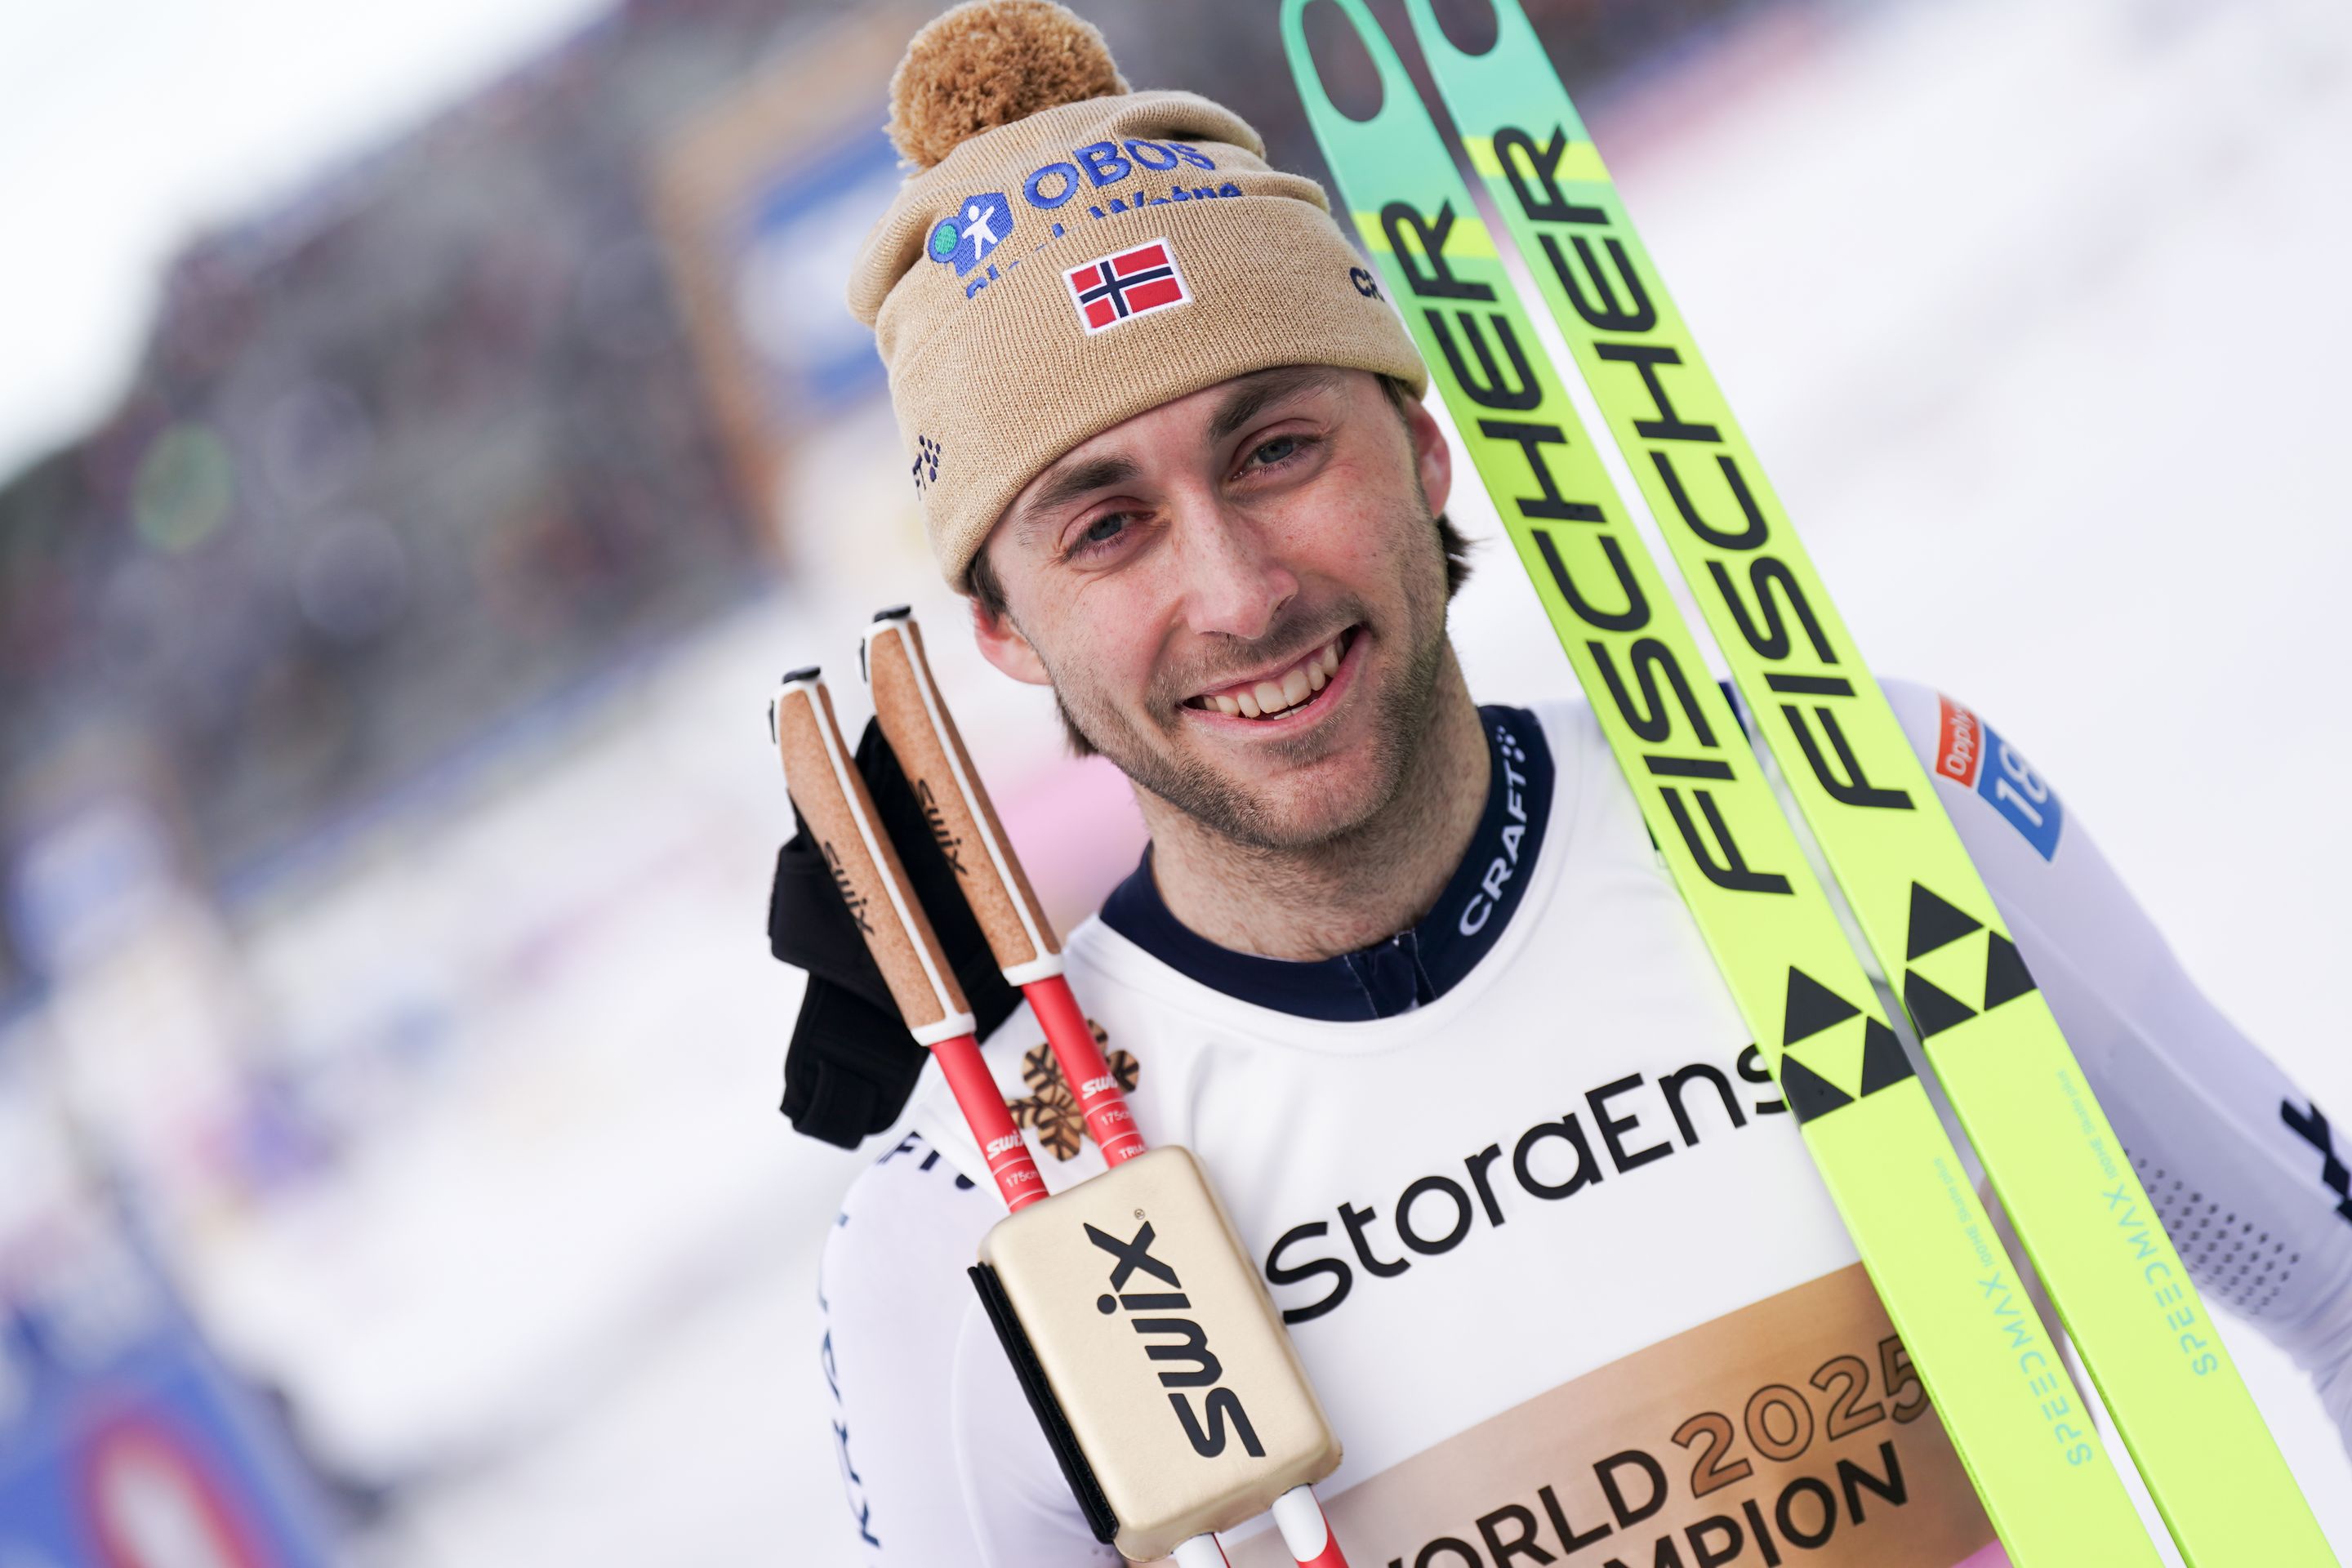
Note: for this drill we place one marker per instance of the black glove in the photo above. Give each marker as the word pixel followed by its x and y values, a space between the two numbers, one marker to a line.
pixel 851 1064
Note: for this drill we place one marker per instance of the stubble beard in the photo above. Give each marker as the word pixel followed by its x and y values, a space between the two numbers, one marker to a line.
pixel 1403 726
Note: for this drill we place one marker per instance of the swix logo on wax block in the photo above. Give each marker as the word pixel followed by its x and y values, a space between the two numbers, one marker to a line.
pixel 1191 1363
pixel 1126 284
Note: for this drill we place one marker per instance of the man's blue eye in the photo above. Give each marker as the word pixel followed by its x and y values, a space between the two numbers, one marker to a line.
pixel 1105 529
pixel 1274 451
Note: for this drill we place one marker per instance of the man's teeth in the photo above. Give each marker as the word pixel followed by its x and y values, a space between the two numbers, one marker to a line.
pixel 1293 687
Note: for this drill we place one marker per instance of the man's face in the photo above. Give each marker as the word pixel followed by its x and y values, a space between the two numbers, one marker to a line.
pixel 1239 598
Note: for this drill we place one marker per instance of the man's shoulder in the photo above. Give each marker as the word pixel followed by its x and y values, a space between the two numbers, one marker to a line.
pixel 902 1213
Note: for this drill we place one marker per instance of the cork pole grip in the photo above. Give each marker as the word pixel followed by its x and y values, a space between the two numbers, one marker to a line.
pixel 833 800
pixel 955 803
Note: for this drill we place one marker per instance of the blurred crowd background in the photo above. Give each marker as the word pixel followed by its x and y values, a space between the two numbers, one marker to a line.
pixel 389 1165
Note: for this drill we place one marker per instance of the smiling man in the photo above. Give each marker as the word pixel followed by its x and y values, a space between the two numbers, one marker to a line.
pixel 1404 971
pixel 1239 597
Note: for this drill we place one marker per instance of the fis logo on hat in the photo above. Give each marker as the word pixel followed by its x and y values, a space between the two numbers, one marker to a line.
pixel 1126 284
pixel 978 226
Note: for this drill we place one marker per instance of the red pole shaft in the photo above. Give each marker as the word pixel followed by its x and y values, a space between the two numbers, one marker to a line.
pixel 1090 1078
pixel 977 1097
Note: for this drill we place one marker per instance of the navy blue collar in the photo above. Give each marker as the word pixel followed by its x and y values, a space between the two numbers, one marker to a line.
pixel 1416 966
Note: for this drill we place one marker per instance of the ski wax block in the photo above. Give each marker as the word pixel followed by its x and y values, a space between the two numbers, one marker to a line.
pixel 1161 1351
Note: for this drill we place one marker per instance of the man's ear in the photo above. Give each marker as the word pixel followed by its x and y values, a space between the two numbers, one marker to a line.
pixel 1001 644
pixel 1432 459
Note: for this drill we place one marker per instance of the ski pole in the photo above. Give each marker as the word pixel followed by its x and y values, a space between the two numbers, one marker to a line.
pixel 930 750
pixel 834 802
pixel 1292 1440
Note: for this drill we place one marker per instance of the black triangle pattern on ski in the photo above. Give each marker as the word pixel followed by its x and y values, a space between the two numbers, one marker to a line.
pixel 1933 1008
pixel 1813 1007
pixel 1935 923
pixel 2006 978
pixel 1883 1061
pixel 1808 1094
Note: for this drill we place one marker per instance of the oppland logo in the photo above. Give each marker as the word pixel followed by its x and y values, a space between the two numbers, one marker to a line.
pixel 1196 1365
pixel 977 228
pixel 1959 744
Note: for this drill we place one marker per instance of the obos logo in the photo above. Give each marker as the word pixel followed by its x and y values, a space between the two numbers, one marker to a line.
pixel 964 240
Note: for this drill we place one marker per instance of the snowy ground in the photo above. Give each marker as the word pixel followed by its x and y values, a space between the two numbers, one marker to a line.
pixel 2029 311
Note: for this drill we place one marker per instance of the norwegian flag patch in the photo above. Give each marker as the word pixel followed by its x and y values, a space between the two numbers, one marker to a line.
pixel 1127 284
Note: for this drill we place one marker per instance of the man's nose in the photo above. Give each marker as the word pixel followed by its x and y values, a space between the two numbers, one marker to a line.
pixel 1234 582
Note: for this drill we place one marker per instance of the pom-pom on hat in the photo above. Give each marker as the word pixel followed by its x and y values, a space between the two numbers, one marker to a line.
pixel 1067 254
pixel 989 63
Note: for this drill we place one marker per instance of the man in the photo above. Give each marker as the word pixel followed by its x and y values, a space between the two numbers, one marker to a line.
pixel 1406 972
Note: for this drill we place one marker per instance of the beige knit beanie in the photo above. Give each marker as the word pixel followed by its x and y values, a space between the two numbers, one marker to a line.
pixel 1067 254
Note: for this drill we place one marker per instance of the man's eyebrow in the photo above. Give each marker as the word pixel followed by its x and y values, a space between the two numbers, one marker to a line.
pixel 1070 484
pixel 1256 392
pixel 1247 400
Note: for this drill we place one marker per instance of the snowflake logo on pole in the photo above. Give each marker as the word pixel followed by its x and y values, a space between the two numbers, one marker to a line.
pixel 1052 1111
